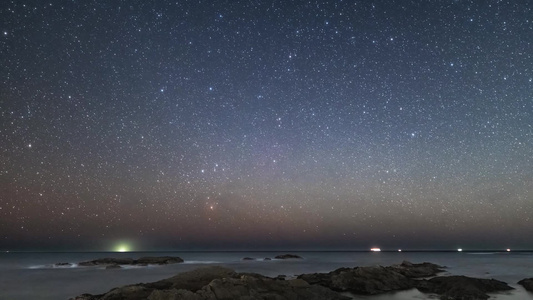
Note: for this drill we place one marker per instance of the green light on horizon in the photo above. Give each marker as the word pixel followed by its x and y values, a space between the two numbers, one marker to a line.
pixel 122 247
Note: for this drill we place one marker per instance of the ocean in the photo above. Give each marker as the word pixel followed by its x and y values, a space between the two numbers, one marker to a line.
pixel 32 275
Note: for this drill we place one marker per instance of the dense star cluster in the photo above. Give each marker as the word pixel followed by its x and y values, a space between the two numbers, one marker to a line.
pixel 266 124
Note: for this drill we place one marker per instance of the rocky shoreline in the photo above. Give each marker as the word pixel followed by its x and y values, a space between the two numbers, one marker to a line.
pixel 218 283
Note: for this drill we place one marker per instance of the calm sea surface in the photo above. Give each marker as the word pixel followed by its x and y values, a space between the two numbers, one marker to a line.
pixel 33 275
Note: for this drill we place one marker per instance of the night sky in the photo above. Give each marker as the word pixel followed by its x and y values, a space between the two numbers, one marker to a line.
pixel 183 125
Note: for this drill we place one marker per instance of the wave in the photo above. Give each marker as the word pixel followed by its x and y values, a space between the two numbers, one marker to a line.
pixel 192 262
pixel 55 266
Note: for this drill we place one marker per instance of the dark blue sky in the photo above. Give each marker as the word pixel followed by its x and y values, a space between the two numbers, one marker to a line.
pixel 266 124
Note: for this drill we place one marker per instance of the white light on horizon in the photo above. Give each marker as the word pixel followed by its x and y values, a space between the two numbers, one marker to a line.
pixel 399 250
pixel 508 250
pixel 460 250
pixel 375 249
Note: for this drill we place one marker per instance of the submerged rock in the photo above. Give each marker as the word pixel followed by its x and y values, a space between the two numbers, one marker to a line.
pixel 527 284
pixel 248 258
pixel 462 287
pixel 63 264
pixel 288 256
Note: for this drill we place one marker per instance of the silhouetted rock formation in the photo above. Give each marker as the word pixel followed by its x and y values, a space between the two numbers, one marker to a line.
pixel 288 256
pixel 462 287
pixel 373 280
pixel 527 284
pixel 219 283
pixel 164 260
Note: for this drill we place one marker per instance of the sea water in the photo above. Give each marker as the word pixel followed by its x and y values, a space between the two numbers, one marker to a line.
pixel 35 275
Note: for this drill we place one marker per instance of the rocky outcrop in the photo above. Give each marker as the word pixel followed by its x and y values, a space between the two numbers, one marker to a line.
pixel 361 280
pixel 422 270
pixel 221 284
pixel 527 284
pixel 163 260
pixel 373 280
pixel 288 256
pixel 462 287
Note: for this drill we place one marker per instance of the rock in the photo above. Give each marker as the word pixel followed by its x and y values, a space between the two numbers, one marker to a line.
pixel 194 280
pixel 63 264
pixel 173 294
pixel 267 258
pixel 259 287
pixel 163 260
pixel 288 256
pixel 218 283
pixel 411 270
pixel 107 261
pixel 462 287
pixel 361 280
pixel 83 297
pixel 143 261
pixel 373 280
pixel 114 266
pixel 527 284
pixel 248 258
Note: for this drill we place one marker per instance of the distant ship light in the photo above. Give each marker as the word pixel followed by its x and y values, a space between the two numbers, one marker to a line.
pixel 375 249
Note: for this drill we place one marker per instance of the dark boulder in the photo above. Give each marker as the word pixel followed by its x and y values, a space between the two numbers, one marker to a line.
pixel 163 260
pixel 462 287
pixel 248 258
pixel 422 270
pixel 361 280
pixel 527 284
pixel 288 256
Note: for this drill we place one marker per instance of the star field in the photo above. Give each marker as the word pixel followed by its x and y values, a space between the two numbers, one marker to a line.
pixel 266 124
